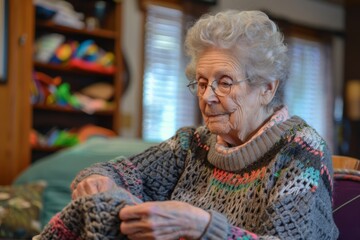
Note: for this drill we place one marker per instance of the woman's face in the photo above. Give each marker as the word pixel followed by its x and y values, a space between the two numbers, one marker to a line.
pixel 237 115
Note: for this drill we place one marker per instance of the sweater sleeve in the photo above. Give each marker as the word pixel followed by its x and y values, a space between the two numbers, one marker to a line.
pixel 298 206
pixel 150 175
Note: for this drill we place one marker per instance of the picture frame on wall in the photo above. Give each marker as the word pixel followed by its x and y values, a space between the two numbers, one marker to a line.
pixel 3 40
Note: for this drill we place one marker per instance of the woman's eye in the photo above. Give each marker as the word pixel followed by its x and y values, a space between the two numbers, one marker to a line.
pixel 202 85
pixel 225 84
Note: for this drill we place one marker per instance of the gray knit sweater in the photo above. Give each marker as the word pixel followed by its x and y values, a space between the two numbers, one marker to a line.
pixel 277 186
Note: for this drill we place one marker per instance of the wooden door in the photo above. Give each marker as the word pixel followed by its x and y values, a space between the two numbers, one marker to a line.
pixel 15 108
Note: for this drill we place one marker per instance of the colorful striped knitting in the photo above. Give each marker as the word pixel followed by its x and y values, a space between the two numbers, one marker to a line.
pixel 277 186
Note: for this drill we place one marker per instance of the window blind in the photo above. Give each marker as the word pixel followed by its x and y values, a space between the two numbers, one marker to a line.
pixel 167 103
pixel 308 92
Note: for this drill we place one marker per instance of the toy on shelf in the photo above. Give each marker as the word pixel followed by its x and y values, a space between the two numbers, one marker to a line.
pixel 49 91
pixel 64 53
pixel 46 45
pixel 64 97
pixel 55 49
pixel 89 56
pixel 43 88
pixel 56 137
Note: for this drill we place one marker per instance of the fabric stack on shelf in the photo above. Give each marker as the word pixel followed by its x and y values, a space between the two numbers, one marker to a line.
pixel 60 12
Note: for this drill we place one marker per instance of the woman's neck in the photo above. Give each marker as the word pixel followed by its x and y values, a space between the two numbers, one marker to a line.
pixel 237 139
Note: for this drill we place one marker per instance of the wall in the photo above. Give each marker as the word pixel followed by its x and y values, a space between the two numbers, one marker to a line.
pixel 132 48
pixel 307 12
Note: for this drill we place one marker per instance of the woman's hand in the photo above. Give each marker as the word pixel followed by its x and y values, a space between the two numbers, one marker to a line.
pixel 92 185
pixel 163 220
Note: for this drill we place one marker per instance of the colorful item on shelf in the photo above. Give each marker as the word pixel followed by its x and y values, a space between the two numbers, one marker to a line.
pixel 88 131
pixel 43 88
pixel 91 105
pixel 101 90
pixel 37 139
pixel 51 91
pixel 54 138
pixel 91 66
pixel 64 52
pixel 64 97
pixel 33 137
pixel 66 138
pixel 46 45
pixel 89 56
pixel 107 60
pixel 86 49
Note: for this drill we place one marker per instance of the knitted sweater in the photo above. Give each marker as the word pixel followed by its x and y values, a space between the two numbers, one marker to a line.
pixel 276 186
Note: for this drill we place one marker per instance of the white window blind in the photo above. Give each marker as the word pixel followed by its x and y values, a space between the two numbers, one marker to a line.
pixel 167 103
pixel 308 92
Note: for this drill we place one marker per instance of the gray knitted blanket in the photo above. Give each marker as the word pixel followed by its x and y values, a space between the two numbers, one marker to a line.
pixel 92 217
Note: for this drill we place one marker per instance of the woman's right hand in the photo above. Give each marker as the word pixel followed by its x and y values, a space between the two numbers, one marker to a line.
pixel 92 185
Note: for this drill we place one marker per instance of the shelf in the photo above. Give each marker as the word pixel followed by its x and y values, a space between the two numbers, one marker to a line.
pixel 46 148
pixel 106 112
pixel 69 69
pixel 78 73
pixel 97 33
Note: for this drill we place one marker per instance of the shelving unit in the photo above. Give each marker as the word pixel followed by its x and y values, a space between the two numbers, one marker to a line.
pixel 107 36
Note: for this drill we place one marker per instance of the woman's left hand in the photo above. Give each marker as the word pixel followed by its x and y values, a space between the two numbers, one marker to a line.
pixel 166 220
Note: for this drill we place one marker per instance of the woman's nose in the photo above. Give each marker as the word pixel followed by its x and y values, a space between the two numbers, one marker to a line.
pixel 209 95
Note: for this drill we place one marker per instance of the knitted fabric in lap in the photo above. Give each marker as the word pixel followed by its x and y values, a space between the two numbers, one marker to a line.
pixel 276 186
pixel 92 217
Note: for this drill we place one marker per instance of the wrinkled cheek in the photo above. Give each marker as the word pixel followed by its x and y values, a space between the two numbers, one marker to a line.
pixel 235 119
pixel 206 119
pixel 237 113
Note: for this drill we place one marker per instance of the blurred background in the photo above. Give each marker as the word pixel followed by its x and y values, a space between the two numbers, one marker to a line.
pixel 71 70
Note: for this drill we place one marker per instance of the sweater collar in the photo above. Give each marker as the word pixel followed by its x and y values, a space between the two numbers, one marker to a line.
pixel 237 158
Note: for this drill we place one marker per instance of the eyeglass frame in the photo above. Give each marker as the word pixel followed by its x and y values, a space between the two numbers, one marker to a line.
pixel 212 87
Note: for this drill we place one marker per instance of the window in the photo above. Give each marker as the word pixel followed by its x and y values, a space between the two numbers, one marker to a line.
pixel 308 92
pixel 167 103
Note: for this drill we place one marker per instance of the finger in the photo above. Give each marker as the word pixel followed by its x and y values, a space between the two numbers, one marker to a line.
pixel 79 191
pixel 131 227
pixel 159 226
pixel 90 187
pixel 105 185
pixel 133 212
pixel 74 195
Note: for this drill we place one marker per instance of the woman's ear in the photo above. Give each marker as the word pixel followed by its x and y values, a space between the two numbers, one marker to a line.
pixel 268 91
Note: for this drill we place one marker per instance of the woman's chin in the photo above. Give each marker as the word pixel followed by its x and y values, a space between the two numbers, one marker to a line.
pixel 217 128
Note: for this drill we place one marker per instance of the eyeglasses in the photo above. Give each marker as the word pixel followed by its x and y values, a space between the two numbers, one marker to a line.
pixel 220 87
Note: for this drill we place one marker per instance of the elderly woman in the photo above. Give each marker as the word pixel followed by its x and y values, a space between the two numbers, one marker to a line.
pixel 252 172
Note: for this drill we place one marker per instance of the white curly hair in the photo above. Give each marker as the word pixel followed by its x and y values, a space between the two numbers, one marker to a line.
pixel 252 36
